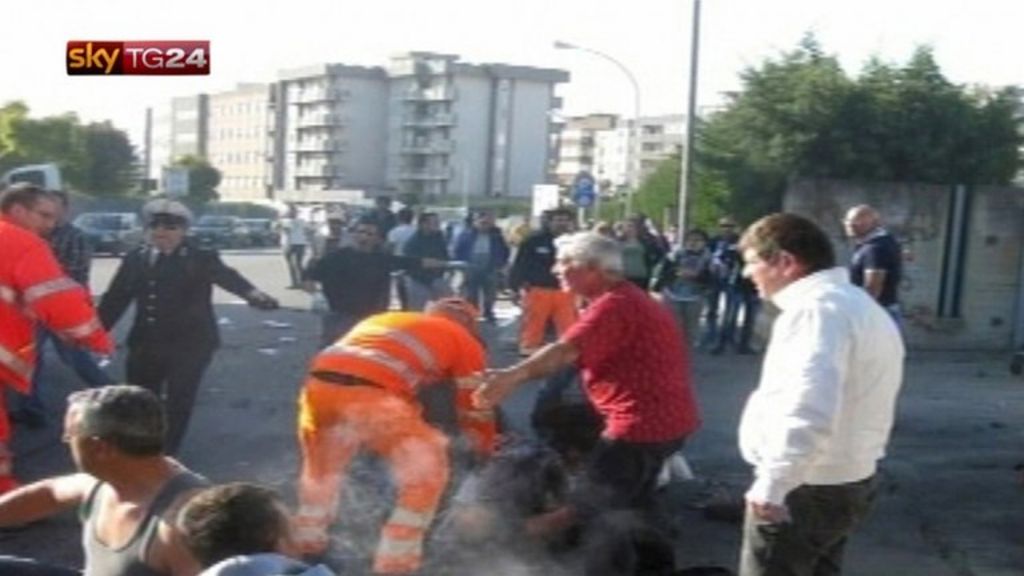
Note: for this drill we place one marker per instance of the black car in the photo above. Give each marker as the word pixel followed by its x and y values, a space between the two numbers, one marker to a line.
pixel 111 232
pixel 218 231
pixel 262 231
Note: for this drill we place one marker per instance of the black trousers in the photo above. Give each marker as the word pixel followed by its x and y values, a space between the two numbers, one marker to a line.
pixel 615 503
pixel 812 543
pixel 173 373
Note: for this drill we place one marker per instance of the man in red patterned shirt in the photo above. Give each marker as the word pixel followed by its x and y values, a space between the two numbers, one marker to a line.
pixel 635 370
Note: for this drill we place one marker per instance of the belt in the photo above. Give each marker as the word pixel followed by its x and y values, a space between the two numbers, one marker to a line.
pixel 342 379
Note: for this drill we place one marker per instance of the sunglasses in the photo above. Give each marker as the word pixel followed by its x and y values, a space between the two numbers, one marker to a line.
pixel 165 225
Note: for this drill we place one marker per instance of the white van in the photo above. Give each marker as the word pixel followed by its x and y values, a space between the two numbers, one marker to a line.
pixel 46 176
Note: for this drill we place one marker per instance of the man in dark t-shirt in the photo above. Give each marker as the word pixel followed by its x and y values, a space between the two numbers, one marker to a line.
pixel 356 280
pixel 877 261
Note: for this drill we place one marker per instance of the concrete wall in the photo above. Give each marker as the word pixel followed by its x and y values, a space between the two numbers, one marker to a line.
pixel 919 215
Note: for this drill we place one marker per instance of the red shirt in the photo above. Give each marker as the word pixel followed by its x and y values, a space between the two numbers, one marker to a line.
pixel 635 368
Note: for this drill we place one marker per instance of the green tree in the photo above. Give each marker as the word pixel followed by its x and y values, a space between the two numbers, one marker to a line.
pixel 111 165
pixel 203 179
pixel 800 116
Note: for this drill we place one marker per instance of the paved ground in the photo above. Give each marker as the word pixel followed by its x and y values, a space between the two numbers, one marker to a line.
pixel 951 504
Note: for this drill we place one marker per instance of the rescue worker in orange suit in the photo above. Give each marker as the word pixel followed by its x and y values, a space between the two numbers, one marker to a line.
pixel 361 394
pixel 33 288
pixel 543 297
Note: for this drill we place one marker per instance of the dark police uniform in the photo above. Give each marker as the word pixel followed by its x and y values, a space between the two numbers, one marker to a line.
pixel 174 333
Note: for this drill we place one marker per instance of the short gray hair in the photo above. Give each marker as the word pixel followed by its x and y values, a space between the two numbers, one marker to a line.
pixel 591 249
pixel 128 417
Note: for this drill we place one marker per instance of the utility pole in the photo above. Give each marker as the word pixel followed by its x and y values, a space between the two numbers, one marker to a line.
pixel 686 160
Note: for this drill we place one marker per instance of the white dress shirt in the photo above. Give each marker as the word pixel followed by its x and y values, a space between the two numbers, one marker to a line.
pixel 824 407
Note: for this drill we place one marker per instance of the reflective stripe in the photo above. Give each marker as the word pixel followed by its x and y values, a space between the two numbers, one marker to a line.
pixel 405 517
pixel 15 363
pixel 414 344
pixel 8 295
pixel 43 289
pixel 391 363
pixel 82 330
pixel 478 415
pixel 394 547
pixel 468 383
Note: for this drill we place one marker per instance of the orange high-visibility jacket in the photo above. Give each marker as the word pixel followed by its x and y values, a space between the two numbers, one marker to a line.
pixel 33 288
pixel 402 351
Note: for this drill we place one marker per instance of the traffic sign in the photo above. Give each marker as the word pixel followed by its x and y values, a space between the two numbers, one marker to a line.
pixel 584 190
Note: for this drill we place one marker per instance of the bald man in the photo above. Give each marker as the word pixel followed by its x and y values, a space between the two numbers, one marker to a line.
pixel 877 262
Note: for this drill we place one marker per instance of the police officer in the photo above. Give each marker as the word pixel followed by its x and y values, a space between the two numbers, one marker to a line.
pixel 174 334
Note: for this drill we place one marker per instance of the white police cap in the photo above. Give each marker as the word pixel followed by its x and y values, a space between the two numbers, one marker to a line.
pixel 168 207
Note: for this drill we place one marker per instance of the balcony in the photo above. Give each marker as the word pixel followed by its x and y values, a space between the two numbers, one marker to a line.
pixel 317 171
pixel 434 147
pixel 440 173
pixel 319 120
pixel 321 145
pixel 434 94
pixel 428 121
pixel 319 94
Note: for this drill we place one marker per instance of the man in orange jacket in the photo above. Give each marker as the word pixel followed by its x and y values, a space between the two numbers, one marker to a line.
pixel 361 393
pixel 33 288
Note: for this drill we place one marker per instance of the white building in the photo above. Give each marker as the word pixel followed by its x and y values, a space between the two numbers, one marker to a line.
pixel 330 128
pixel 469 129
pixel 238 143
pixel 179 130
pixel 577 146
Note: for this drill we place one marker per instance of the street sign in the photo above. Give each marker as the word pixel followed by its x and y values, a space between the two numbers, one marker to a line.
pixel 584 190
pixel 175 181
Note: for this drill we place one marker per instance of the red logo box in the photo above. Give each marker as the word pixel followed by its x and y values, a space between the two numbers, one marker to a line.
pixel 138 58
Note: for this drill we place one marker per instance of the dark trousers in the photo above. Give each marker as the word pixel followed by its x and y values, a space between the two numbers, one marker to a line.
pixel 481 282
pixel 79 359
pixel 735 300
pixel 294 256
pixel 812 543
pixel 615 503
pixel 174 374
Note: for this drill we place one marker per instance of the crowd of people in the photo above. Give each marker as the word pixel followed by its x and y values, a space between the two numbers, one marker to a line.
pixel 625 307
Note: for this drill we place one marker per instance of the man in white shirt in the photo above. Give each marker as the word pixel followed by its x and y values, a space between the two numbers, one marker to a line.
pixel 295 236
pixel 819 420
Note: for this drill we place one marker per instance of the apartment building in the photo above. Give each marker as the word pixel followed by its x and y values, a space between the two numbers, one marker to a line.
pixel 427 124
pixel 578 144
pixel 330 128
pixel 661 137
pixel 179 129
pixel 238 143
pixel 469 129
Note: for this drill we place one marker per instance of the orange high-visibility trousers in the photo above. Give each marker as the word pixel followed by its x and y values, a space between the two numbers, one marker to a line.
pixel 335 421
pixel 540 305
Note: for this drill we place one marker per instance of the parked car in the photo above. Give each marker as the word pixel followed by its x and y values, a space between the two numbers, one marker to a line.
pixel 262 231
pixel 111 232
pixel 220 231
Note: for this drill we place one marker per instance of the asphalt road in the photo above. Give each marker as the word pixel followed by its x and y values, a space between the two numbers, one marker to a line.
pixel 950 506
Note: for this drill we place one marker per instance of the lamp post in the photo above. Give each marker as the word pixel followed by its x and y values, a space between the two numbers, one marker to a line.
pixel 686 168
pixel 634 163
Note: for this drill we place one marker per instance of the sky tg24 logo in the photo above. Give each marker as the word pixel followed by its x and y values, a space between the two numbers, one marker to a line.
pixel 138 58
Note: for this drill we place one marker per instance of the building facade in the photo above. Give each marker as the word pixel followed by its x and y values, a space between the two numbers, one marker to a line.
pixel 427 125
pixel 238 144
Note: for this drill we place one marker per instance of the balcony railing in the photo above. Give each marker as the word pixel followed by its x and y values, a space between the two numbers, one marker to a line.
pixel 435 94
pixel 432 120
pixel 436 147
pixel 319 119
pixel 317 171
pixel 442 173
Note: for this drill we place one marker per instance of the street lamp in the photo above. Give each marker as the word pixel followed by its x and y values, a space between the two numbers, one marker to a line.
pixel 635 131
